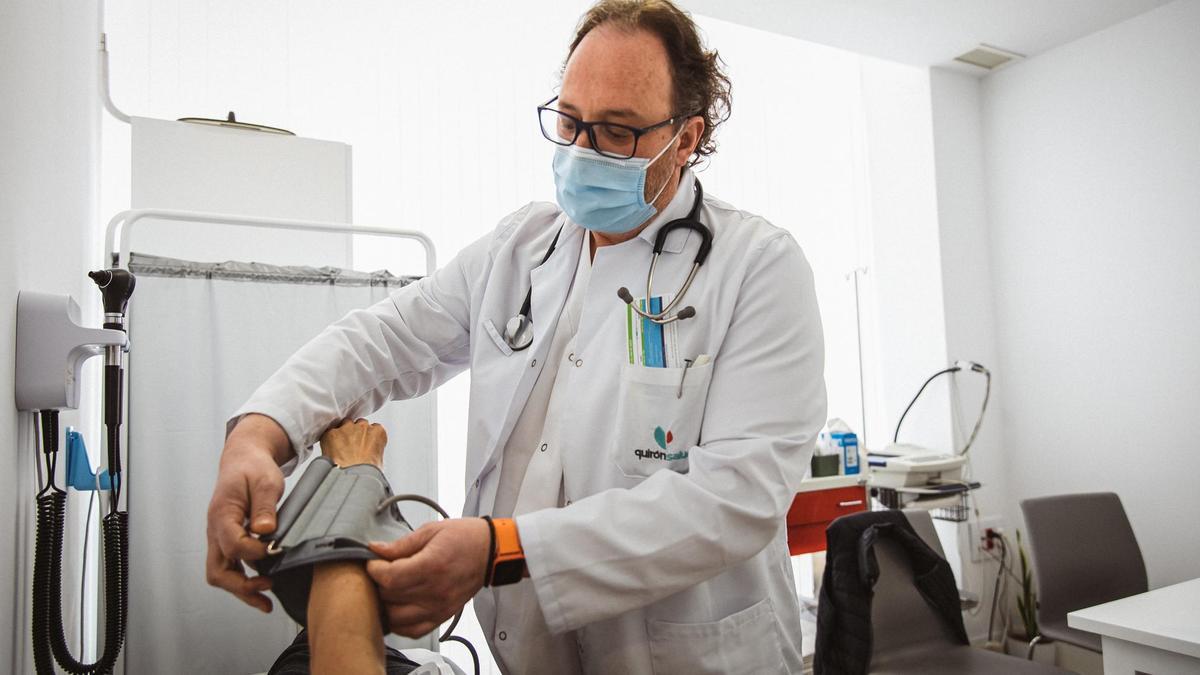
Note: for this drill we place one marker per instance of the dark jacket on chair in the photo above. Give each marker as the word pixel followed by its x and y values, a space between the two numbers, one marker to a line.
pixel 844 633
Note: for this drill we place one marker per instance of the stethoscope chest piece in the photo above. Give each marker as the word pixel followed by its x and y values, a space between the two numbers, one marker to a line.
pixel 518 332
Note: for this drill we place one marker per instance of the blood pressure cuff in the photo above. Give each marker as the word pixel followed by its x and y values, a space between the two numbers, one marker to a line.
pixel 329 515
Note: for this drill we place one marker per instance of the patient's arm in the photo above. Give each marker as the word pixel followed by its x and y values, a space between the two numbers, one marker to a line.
pixel 344 632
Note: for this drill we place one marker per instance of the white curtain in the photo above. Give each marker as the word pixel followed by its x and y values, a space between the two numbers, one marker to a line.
pixel 204 337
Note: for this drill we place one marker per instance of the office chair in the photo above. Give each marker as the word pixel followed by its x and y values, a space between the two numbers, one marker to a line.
pixel 1083 553
pixel 908 636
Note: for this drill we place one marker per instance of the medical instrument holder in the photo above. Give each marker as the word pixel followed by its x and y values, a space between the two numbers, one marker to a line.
pixel 79 470
pixel 51 349
pixel 331 514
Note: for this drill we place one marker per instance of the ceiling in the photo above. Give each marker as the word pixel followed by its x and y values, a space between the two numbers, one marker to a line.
pixel 928 32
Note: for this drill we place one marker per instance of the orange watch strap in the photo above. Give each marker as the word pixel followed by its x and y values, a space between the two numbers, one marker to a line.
pixel 508 560
pixel 508 541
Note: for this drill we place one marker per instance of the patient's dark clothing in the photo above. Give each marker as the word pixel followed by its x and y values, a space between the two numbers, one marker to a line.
pixel 294 660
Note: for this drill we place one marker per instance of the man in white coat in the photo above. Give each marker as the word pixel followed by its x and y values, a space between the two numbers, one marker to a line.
pixel 636 477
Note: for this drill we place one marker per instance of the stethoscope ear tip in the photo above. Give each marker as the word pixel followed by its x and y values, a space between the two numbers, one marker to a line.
pixel 687 312
pixel 624 294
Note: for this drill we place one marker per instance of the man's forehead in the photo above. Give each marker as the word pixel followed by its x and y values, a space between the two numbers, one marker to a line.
pixel 618 73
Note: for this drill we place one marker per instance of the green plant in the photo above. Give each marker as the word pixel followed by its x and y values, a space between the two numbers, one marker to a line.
pixel 1027 600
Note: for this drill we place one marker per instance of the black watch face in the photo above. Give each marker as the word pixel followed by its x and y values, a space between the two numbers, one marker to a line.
pixel 508 572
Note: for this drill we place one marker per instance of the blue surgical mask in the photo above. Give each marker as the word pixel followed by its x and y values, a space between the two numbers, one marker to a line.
pixel 604 194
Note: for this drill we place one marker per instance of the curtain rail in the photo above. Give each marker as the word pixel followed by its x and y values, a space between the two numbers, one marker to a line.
pixel 121 225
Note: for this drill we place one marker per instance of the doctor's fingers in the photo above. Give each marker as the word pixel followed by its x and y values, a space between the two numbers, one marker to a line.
pixel 410 616
pixel 416 624
pixel 399 581
pixel 405 546
pixel 229 575
pixel 227 530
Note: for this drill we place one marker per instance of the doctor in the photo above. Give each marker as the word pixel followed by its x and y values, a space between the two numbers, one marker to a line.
pixel 636 493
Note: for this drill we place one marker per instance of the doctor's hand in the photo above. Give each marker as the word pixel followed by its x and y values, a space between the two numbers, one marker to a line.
pixel 249 483
pixel 427 577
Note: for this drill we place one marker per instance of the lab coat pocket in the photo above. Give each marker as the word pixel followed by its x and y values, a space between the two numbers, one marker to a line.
pixel 743 642
pixel 658 417
pixel 496 337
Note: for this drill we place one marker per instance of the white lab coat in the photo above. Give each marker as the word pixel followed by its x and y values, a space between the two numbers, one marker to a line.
pixel 659 566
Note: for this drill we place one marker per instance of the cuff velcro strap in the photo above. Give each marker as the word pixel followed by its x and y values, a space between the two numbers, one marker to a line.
pixel 331 514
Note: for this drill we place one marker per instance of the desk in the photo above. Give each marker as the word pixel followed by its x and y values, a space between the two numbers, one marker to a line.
pixel 819 502
pixel 1156 632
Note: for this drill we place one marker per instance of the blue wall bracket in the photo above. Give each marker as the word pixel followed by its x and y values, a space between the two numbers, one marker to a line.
pixel 79 466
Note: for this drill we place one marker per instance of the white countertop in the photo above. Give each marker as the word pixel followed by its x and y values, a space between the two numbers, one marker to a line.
pixel 1167 618
pixel 811 484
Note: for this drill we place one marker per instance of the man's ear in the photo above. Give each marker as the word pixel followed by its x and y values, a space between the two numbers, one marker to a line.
pixel 689 138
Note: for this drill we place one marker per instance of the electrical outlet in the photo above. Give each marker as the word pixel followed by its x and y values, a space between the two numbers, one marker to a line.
pixel 980 546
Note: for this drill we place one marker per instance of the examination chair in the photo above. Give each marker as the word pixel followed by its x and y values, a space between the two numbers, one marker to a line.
pixel 1083 553
pixel 909 638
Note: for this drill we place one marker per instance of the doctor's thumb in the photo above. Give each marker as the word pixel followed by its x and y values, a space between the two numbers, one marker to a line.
pixel 264 493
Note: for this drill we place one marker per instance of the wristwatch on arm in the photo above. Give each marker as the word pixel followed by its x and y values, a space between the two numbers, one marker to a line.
pixel 506 559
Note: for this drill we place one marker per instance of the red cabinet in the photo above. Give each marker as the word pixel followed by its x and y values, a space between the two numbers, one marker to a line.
pixel 812 512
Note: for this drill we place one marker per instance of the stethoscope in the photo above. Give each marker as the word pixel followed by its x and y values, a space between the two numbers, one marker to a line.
pixel 518 332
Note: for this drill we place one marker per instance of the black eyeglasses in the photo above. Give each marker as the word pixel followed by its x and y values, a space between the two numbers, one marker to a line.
pixel 607 138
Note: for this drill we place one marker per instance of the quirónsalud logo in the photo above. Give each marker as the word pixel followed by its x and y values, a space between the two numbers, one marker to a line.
pixel 663 438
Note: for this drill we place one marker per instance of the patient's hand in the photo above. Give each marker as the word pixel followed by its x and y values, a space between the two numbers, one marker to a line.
pixel 344 631
pixel 357 442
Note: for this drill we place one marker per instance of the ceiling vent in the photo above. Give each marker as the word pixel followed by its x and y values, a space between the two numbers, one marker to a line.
pixel 988 57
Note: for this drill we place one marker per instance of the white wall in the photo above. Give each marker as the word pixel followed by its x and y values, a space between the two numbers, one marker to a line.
pixel 904 322
pixel 1092 158
pixel 969 310
pixel 48 145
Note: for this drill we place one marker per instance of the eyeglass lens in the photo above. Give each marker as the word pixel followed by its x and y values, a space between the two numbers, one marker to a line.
pixel 608 139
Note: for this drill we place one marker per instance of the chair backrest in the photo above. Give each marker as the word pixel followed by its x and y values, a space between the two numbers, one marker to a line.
pixel 1083 552
pixel 900 618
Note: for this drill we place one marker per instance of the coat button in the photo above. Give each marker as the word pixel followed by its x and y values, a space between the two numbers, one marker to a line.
pixel 578 363
pixel 502 635
pixel 543 448
pixel 476 482
pixel 533 363
pixel 571 356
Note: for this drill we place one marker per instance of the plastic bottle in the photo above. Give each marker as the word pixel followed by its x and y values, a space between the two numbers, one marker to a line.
pixel 845 443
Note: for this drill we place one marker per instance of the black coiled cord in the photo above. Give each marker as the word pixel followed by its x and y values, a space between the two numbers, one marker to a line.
pixel 48 630
pixel 49 638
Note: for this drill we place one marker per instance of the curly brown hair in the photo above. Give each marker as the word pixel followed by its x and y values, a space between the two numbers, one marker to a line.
pixel 699 85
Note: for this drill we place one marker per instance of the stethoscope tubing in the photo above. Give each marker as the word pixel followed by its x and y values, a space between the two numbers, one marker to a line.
pixel 661 316
pixel 516 331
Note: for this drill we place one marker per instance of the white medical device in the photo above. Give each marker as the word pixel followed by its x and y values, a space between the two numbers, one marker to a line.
pixel 903 465
pixel 903 473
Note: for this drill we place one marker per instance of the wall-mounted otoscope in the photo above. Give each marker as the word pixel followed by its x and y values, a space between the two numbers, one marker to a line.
pixel 51 349
pixel 116 287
